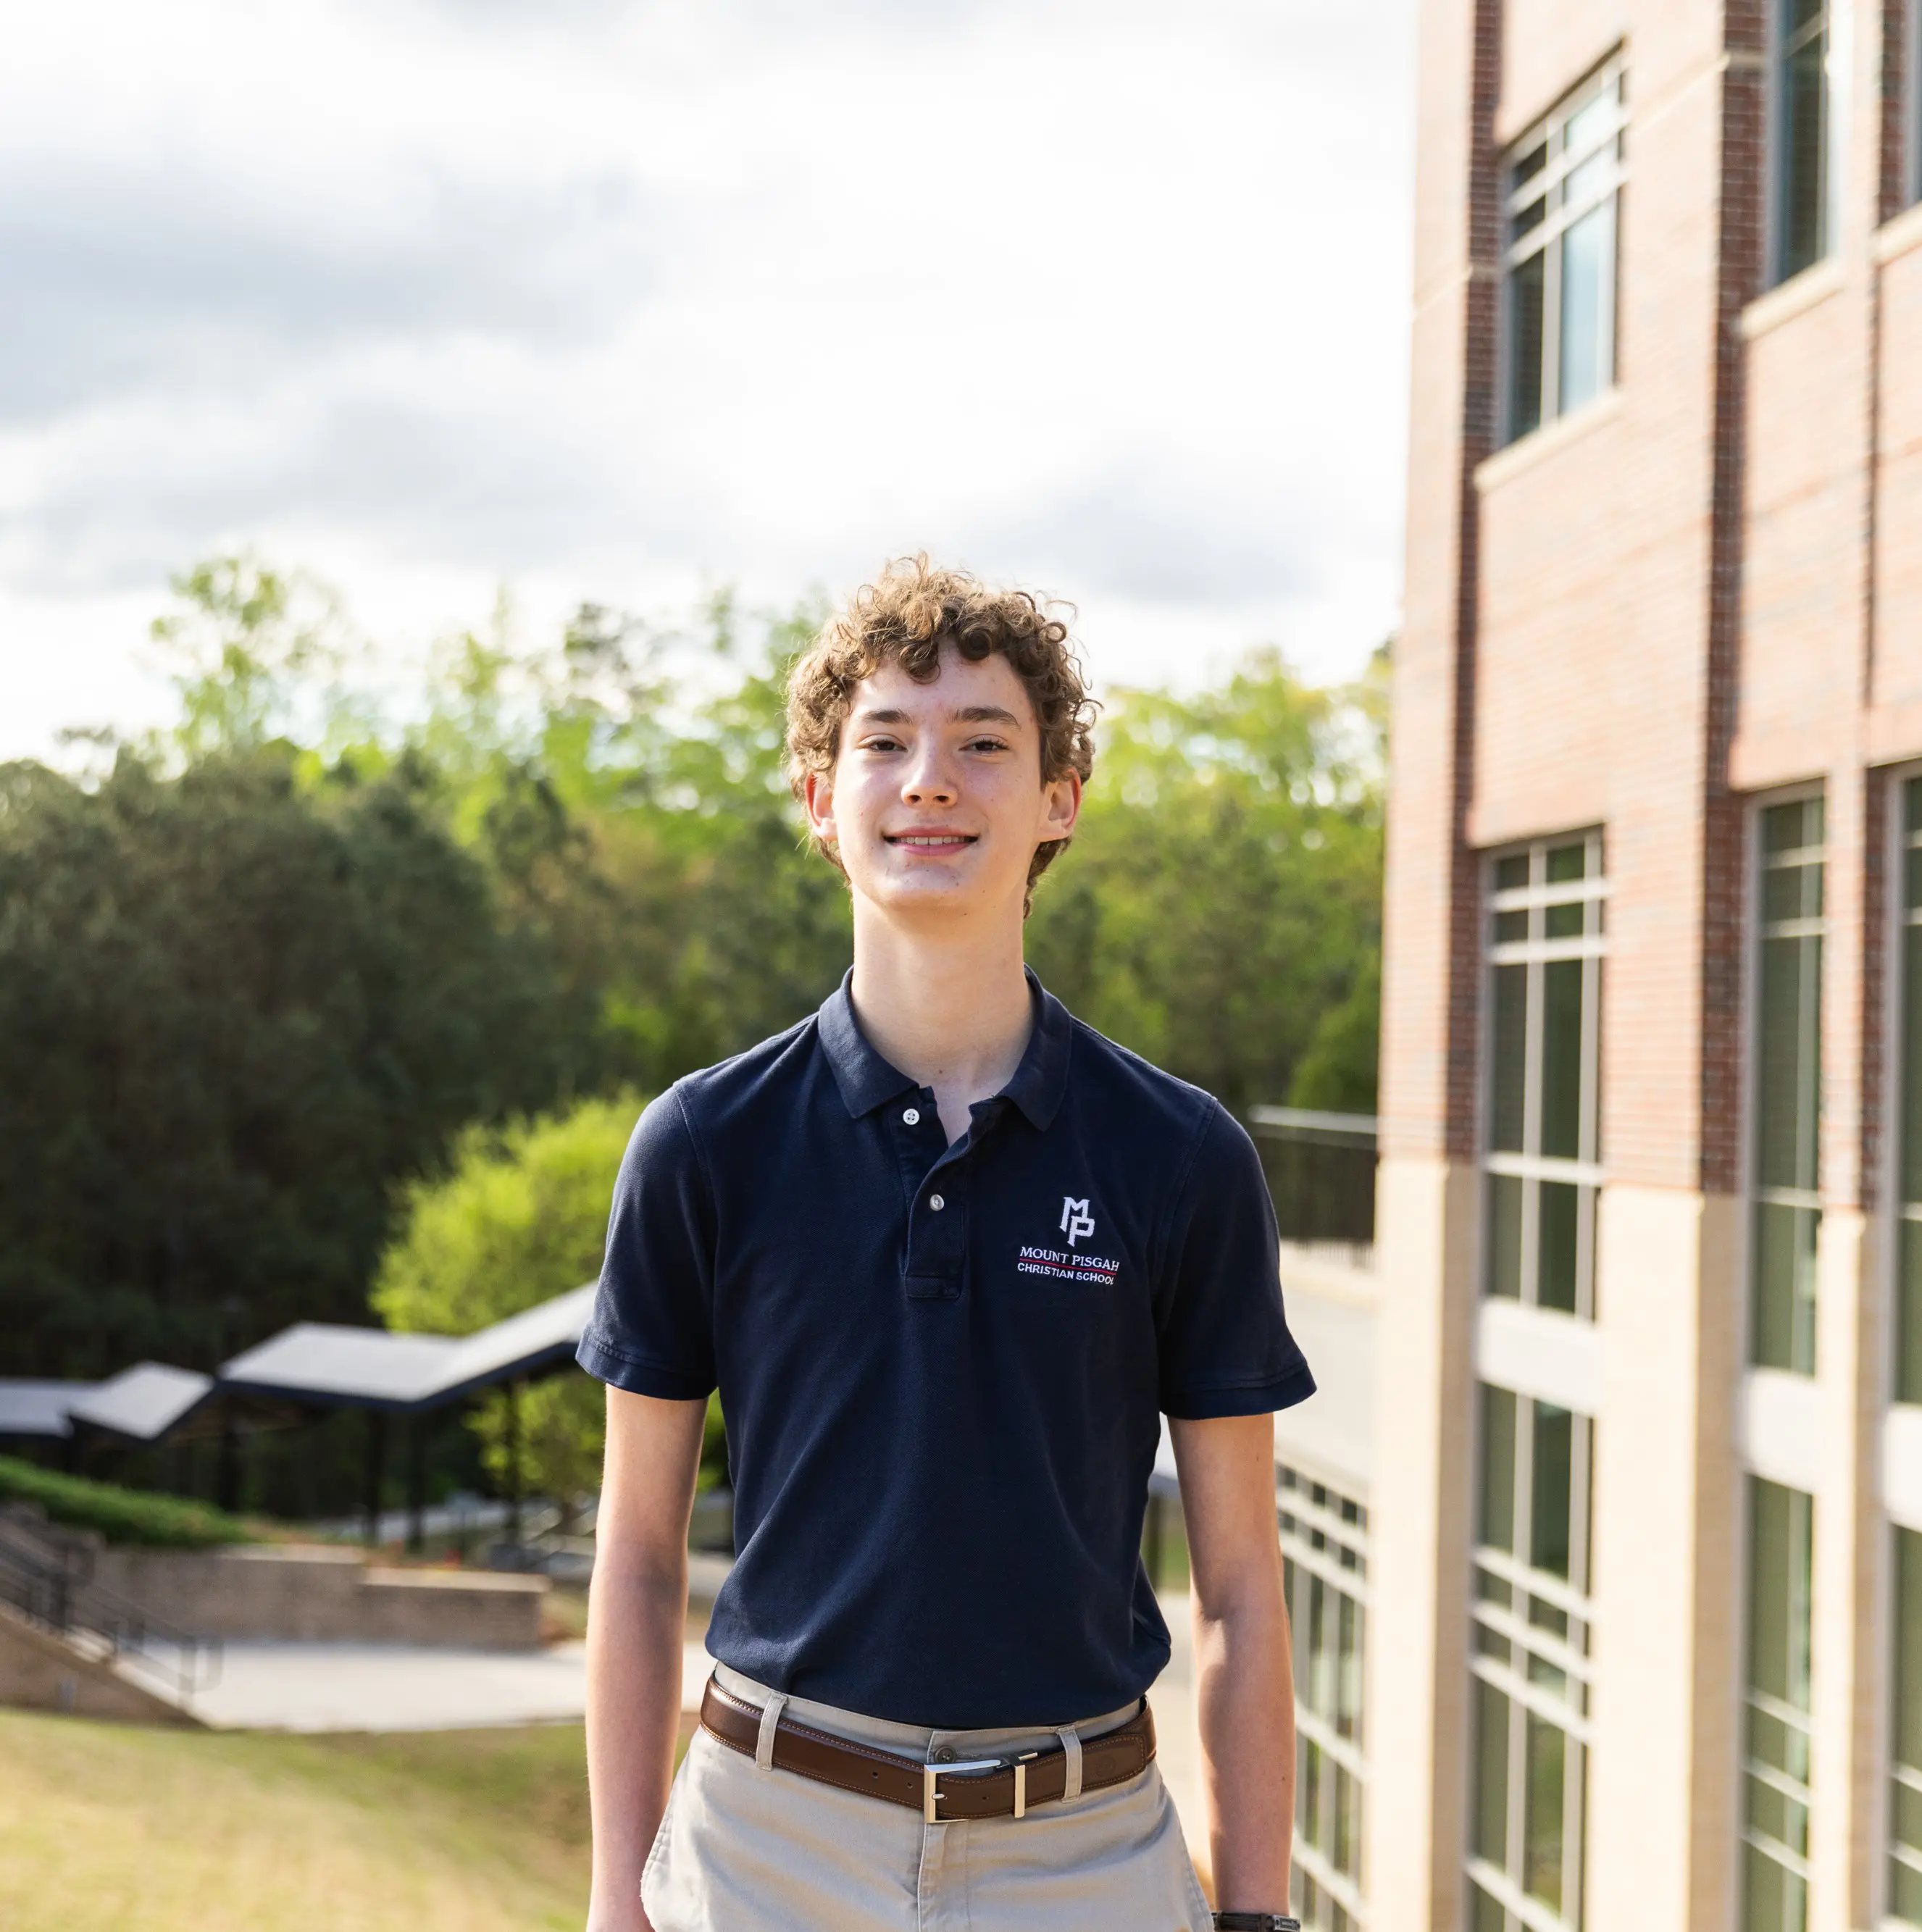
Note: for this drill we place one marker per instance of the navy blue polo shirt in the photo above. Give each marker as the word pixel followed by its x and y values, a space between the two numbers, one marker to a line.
pixel 942 1367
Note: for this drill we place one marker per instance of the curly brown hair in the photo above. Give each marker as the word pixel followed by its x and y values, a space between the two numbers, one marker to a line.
pixel 904 617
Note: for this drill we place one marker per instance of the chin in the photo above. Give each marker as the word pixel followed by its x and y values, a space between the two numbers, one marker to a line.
pixel 929 891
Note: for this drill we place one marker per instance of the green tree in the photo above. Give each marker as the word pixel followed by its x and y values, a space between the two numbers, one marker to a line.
pixel 1220 910
pixel 243 645
pixel 519 1216
pixel 234 1011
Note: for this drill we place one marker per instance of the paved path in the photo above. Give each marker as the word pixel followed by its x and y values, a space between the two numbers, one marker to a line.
pixel 344 1687
pixel 355 1687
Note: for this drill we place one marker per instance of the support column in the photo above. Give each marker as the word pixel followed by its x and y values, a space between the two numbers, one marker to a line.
pixel 514 1464
pixel 376 1462
pixel 226 1476
pixel 418 1424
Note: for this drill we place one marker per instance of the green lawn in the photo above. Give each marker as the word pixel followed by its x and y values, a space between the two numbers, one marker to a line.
pixel 106 1828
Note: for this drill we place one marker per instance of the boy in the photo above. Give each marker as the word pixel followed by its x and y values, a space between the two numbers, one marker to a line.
pixel 948 1254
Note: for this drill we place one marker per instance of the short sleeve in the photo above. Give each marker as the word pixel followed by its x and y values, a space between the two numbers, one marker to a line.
pixel 1225 1345
pixel 652 1330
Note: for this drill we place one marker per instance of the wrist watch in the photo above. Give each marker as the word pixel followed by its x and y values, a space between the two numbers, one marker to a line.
pixel 1255 1921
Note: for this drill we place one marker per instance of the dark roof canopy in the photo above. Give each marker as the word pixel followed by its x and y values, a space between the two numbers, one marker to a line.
pixel 144 1402
pixel 39 1408
pixel 373 1368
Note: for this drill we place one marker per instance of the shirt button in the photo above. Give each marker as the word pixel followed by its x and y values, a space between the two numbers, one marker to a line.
pixel 912 1117
pixel 937 1202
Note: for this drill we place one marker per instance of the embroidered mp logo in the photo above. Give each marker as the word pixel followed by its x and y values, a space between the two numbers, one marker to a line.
pixel 1076 1223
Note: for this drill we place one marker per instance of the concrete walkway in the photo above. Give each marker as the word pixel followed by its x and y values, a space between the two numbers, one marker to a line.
pixel 342 1687
pixel 354 1687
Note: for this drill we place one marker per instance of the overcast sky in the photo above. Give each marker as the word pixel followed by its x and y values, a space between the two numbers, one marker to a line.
pixel 624 301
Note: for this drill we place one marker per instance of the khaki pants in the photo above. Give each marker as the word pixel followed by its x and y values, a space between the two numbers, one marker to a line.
pixel 742 1849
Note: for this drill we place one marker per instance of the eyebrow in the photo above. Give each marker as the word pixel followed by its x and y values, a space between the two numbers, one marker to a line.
pixel 968 714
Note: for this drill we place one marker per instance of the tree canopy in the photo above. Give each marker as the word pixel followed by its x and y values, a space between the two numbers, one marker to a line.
pixel 265 976
pixel 521 1216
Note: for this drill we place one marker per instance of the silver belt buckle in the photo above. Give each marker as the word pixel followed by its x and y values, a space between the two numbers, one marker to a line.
pixel 931 1788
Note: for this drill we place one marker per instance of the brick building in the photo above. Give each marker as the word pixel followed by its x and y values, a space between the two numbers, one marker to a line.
pixel 1644 1496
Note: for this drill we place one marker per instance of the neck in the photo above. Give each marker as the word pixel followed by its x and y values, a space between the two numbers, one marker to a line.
pixel 949 1007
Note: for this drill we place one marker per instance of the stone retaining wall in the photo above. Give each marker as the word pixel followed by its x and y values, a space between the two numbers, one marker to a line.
pixel 325 1596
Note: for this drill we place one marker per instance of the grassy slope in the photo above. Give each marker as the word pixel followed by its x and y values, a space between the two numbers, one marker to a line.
pixel 109 1828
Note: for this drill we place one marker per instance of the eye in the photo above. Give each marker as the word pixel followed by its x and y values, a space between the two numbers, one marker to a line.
pixel 882 741
pixel 987 744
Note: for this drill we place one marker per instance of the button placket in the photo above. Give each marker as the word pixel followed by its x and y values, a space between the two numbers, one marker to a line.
pixel 938 1228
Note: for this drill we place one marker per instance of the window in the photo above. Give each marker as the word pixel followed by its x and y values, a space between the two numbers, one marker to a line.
pixel 1531 1666
pixel 1564 182
pixel 1904 1900
pixel 1788 1061
pixel 1909 1185
pixel 1775 1807
pixel 1545 1032
pixel 1324 1560
pixel 1799 109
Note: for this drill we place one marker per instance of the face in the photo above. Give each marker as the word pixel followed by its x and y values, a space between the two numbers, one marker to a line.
pixel 936 802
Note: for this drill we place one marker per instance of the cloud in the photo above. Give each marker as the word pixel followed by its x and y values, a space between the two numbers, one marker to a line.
pixel 114 286
pixel 1156 530
pixel 612 296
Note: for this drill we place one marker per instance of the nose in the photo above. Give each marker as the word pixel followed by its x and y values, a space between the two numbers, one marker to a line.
pixel 929 779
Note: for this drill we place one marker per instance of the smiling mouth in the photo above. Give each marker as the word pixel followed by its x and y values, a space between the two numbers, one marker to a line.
pixel 930 842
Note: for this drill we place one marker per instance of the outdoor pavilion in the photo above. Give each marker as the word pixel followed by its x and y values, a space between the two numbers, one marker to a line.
pixel 146 1404
pixel 313 1365
pixel 38 1412
pixel 324 1365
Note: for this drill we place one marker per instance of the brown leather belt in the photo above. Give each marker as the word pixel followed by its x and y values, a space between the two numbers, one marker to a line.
pixel 943 1793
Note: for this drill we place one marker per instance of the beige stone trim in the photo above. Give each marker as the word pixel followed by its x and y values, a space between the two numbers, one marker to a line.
pixel 1539 444
pixel 1795 297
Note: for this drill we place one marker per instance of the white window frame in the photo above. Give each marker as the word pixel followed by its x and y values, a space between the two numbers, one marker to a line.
pixel 1909 1777
pixel 1911 105
pixel 1575 1657
pixel 1540 240
pixel 1587 1169
pixel 1323 1539
pixel 1751 1699
pixel 1755 865
pixel 1838 25
pixel 1899 921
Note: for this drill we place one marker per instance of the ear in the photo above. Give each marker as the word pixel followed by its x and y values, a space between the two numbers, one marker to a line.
pixel 1061 809
pixel 818 799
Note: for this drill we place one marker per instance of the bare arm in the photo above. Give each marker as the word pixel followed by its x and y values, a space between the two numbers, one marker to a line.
pixel 1245 1685
pixel 636 1613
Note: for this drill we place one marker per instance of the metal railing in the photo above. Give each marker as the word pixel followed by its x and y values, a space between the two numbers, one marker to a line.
pixel 1321 1172
pixel 48 1579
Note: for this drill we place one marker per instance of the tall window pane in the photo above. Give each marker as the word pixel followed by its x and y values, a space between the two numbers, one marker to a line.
pixel 1324 1567
pixel 1787 1064
pixel 1776 1823
pixel 1564 189
pixel 1552 1500
pixel 1530 1664
pixel 1561 1058
pixel 1588 300
pixel 1906 1735
pixel 1498 1410
pixel 1506 1123
pixel 1546 941
pixel 1908 1375
pixel 1547 1792
pixel 1801 110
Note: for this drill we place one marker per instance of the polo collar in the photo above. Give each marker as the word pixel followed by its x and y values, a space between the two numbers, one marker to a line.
pixel 866 1081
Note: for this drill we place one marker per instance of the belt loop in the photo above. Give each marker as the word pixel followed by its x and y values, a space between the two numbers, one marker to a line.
pixel 1071 1742
pixel 770 1721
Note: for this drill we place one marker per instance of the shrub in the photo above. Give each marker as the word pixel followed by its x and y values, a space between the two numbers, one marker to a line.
pixel 120 1515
